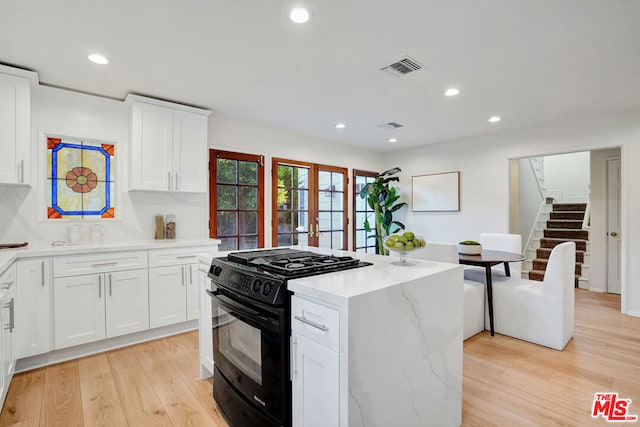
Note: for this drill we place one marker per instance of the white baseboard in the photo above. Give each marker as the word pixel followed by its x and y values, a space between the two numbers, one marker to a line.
pixel 78 351
pixel 633 313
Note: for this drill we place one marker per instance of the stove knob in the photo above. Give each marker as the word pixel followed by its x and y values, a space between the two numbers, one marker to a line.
pixel 217 270
pixel 257 284
pixel 266 289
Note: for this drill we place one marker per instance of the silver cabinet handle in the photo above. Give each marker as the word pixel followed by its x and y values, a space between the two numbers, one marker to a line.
pixel 110 286
pixel 22 171
pixel 100 286
pixel 169 175
pixel 190 275
pixel 42 273
pixel 185 256
pixel 177 176
pixel 104 264
pixel 311 323
pixel 7 285
pixel 183 275
pixel 12 315
pixel 294 356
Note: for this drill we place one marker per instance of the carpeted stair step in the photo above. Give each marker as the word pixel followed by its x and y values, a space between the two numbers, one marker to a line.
pixel 541 265
pixel 581 244
pixel 578 216
pixel 565 224
pixel 544 253
pixel 570 207
pixel 566 234
pixel 539 276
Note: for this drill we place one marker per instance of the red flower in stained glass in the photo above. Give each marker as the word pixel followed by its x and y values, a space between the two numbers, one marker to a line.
pixel 81 180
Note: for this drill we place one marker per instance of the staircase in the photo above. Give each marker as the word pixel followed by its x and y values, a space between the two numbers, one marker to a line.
pixel 564 224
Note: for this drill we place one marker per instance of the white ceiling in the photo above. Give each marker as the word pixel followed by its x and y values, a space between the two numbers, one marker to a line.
pixel 533 62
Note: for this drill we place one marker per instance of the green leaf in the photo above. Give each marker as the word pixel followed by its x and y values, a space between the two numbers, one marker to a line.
pixel 399 224
pixel 367 226
pixel 388 218
pixel 398 206
pixel 393 178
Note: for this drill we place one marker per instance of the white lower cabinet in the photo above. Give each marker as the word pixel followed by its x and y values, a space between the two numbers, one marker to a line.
pixel 315 383
pixel 315 364
pixel 7 324
pixel 206 332
pixel 167 295
pixel 96 306
pixel 33 307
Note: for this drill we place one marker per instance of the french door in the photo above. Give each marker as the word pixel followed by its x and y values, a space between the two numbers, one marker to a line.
pixel 236 199
pixel 309 204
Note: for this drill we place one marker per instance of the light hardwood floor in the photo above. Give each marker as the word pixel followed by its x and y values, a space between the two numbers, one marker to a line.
pixel 506 382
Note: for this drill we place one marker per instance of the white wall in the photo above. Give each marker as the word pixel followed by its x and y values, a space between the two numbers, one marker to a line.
pixel 566 177
pixel 530 200
pixel 484 166
pixel 66 113
pixel 226 133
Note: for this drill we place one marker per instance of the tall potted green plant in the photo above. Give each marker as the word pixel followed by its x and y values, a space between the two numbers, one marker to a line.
pixel 382 198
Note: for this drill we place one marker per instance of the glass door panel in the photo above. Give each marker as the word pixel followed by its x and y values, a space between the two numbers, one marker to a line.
pixel 331 218
pixel 292 205
pixel 363 241
pixel 236 195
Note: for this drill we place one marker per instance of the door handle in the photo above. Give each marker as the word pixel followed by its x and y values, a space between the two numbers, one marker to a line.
pixel 311 234
pixel 613 234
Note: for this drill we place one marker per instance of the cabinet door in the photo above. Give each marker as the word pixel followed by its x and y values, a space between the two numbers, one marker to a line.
pixel 205 332
pixel 190 156
pixel 78 310
pixel 15 129
pixel 167 296
pixel 33 309
pixel 8 321
pixel 151 148
pixel 315 384
pixel 127 299
pixel 193 291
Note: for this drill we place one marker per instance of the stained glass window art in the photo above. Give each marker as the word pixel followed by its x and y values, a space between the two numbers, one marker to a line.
pixel 80 179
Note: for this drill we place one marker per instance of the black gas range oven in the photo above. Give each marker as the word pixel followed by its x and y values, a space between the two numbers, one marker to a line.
pixel 251 330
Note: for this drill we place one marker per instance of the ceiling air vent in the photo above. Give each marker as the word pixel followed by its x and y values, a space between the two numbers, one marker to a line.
pixel 390 125
pixel 405 66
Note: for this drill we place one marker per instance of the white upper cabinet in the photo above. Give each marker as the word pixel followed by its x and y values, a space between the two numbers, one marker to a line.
pixel 15 127
pixel 168 146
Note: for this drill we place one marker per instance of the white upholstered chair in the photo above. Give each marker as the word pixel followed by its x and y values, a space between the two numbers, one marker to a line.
pixel 473 291
pixel 497 242
pixel 539 312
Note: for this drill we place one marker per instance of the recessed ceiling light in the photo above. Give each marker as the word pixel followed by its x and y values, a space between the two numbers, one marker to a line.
pixel 299 15
pixel 452 92
pixel 98 59
pixel 340 126
pixel 392 140
pixel 494 119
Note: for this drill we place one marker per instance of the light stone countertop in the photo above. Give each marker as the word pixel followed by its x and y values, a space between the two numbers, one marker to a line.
pixel 7 256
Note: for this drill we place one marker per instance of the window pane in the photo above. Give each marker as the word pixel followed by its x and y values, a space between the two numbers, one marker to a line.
pixel 324 221
pixel 336 221
pixel 228 244
pixel 361 204
pixel 248 223
pixel 284 198
pixel 284 239
pixel 336 240
pixel 324 180
pixel 337 181
pixel 227 197
pixel 226 171
pixel 301 221
pixel 337 201
pixel 302 178
pixel 301 239
pixel 324 240
pixel 285 176
pixel 227 223
pixel 324 200
pixel 248 172
pixel 249 242
pixel 248 197
pixel 302 200
pixel 361 239
pixel 285 223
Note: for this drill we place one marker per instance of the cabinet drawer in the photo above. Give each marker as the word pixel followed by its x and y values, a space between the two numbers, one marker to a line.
pixel 316 322
pixel 177 256
pixel 74 265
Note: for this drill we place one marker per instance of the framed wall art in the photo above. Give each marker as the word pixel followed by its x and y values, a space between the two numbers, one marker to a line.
pixel 439 192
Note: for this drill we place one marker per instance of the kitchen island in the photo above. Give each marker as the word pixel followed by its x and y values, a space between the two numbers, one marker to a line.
pixel 396 358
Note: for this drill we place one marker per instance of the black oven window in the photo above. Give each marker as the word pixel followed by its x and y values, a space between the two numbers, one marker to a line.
pixel 241 344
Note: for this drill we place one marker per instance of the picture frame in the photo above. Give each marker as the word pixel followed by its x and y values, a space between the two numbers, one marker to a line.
pixel 439 192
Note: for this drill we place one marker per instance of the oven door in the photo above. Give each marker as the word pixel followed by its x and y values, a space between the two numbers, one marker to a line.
pixel 250 350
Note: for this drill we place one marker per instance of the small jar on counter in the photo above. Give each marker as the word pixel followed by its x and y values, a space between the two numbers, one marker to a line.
pixel 159 223
pixel 170 227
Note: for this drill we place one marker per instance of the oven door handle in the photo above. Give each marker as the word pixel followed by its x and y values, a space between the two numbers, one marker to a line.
pixel 250 316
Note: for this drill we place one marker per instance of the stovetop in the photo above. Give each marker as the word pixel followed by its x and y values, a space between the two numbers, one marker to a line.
pixel 262 275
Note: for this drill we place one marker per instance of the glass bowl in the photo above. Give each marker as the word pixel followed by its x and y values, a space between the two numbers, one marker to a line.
pixel 402 254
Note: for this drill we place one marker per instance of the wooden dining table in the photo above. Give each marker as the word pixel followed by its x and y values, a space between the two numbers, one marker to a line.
pixel 488 259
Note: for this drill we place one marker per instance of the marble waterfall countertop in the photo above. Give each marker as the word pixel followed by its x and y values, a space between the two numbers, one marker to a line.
pixel 7 256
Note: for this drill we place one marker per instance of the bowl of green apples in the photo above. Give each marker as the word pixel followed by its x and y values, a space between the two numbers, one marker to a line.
pixel 402 244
